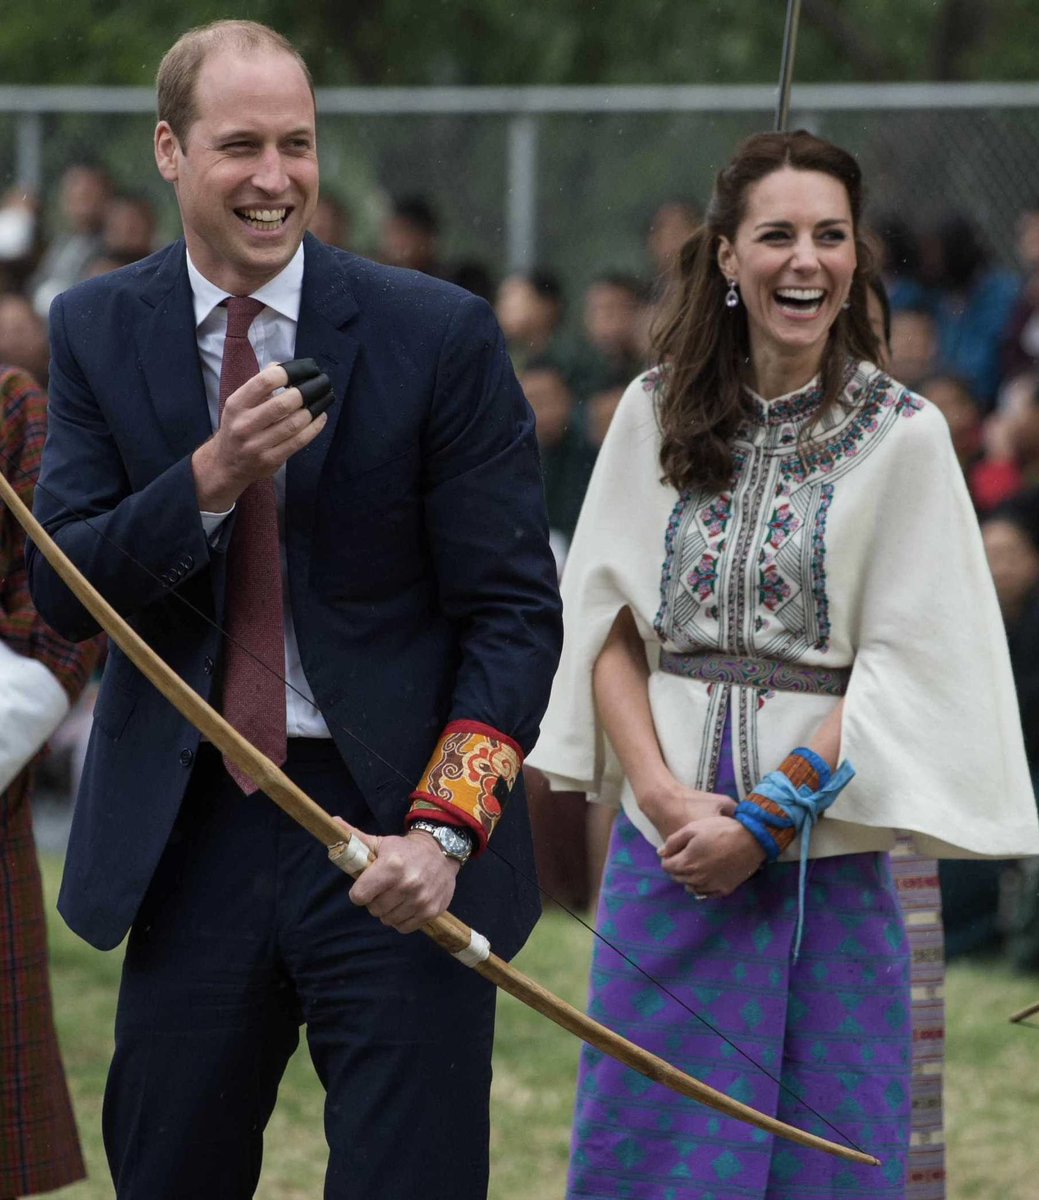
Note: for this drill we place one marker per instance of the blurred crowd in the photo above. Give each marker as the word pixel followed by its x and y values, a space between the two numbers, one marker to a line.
pixel 963 332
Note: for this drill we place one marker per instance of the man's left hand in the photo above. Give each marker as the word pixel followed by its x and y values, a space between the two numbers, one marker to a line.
pixel 411 881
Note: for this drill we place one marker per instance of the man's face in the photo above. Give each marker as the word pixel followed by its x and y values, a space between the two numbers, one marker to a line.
pixel 246 177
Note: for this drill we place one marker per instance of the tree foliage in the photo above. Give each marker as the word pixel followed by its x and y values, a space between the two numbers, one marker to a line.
pixel 421 42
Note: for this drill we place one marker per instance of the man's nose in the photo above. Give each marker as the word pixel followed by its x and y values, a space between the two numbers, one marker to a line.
pixel 270 175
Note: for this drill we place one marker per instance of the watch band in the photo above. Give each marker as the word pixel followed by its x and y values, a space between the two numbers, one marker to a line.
pixel 455 841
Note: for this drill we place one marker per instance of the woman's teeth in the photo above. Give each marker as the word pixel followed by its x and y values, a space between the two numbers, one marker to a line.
pixel 801 300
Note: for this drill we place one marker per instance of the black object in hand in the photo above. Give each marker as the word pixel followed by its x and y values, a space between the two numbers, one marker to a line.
pixel 314 385
pixel 299 370
pixel 317 394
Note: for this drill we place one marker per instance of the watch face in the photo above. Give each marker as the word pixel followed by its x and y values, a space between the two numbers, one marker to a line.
pixel 454 843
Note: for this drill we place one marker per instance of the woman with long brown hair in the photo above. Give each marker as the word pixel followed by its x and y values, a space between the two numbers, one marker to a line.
pixel 777 608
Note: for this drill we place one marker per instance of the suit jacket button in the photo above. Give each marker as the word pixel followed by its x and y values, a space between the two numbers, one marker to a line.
pixel 186 758
pixel 208 665
pixel 187 562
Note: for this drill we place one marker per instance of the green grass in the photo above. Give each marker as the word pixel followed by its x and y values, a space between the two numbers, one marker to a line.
pixel 992 1081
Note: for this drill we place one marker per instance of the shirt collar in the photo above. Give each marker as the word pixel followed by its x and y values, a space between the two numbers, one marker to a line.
pixel 282 293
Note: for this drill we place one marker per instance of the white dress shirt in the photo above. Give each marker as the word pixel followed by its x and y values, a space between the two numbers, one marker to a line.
pixel 272 336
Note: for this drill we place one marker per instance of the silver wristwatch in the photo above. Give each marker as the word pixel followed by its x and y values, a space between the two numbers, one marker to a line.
pixel 456 843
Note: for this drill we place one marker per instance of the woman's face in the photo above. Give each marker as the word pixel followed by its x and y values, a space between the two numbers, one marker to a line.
pixel 793 258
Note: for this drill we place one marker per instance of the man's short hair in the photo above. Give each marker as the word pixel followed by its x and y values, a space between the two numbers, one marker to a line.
pixel 178 72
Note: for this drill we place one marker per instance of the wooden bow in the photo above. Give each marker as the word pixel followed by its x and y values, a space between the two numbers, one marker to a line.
pixel 1023 1014
pixel 353 855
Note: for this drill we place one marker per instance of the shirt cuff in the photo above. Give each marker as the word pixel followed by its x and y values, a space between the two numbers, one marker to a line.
pixel 212 523
pixel 468 779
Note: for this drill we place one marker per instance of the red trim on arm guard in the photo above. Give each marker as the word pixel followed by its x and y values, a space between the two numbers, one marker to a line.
pixel 468 779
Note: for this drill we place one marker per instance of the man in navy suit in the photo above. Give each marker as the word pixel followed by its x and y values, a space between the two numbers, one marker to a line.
pixel 397 546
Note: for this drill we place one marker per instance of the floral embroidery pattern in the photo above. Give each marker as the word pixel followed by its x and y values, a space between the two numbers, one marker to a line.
pixel 653 379
pixel 773 589
pixel 716 515
pixel 471 772
pixel 783 523
pixel 703 577
pixel 826 456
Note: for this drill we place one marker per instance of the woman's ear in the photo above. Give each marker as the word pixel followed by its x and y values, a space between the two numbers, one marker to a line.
pixel 727 258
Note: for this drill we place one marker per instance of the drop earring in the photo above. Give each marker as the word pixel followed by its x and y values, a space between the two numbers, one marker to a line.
pixel 732 297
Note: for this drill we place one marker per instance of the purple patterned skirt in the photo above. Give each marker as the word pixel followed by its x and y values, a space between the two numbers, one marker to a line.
pixel 832 1028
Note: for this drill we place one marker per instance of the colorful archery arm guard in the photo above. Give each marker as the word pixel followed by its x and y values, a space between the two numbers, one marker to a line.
pixel 468 779
pixel 797 793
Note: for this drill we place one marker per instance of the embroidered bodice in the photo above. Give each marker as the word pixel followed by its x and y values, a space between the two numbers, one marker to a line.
pixel 744 571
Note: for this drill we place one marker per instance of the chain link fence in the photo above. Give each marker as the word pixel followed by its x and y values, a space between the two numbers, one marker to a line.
pixel 568 178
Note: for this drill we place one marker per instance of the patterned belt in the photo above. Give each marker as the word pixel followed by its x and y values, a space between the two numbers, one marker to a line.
pixel 772 673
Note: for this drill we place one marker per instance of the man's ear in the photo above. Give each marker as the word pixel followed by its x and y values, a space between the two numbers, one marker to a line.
pixel 727 258
pixel 167 152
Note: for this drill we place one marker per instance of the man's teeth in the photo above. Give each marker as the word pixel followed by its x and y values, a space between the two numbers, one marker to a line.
pixel 263 218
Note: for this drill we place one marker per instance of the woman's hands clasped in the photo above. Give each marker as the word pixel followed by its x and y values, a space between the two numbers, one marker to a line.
pixel 704 850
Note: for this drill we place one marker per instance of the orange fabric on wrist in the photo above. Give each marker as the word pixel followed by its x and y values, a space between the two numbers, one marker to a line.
pixel 468 779
pixel 799 771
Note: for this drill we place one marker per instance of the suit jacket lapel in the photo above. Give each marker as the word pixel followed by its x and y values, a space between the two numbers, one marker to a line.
pixel 327 309
pixel 168 352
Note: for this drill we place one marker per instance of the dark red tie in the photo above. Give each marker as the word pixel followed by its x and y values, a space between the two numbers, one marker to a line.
pixel 254 688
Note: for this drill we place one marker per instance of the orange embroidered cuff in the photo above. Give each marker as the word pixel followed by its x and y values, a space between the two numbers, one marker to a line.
pixel 468 779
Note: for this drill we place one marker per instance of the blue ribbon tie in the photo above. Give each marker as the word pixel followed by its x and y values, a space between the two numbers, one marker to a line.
pixel 801 807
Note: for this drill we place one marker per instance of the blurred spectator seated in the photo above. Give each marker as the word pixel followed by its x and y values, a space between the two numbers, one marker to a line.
pixel 566 456
pixel 914 345
pixel 599 409
pixel 332 222
pixel 529 308
pixel 475 277
pixel 670 227
pixel 19 231
pixel 1021 336
pixel 897 250
pixel 972 308
pixel 23 337
pixel 409 236
pixel 129 229
pixel 992 905
pixel 957 404
pixel 1010 461
pixel 84 192
pixel 613 324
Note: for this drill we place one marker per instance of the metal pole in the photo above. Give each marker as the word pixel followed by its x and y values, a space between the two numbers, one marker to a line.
pixel 786 70
pixel 28 168
pixel 521 197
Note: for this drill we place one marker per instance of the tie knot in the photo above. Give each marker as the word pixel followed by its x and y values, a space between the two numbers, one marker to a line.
pixel 241 312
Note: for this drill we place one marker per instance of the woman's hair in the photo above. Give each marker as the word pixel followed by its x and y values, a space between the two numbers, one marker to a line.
pixel 705 345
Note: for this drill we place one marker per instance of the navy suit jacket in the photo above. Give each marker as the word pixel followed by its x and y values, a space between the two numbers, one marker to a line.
pixel 422 586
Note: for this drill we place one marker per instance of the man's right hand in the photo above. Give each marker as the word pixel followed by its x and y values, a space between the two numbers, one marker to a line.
pixel 258 433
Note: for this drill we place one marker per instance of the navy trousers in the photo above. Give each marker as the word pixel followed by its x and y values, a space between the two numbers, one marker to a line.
pixel 246 933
